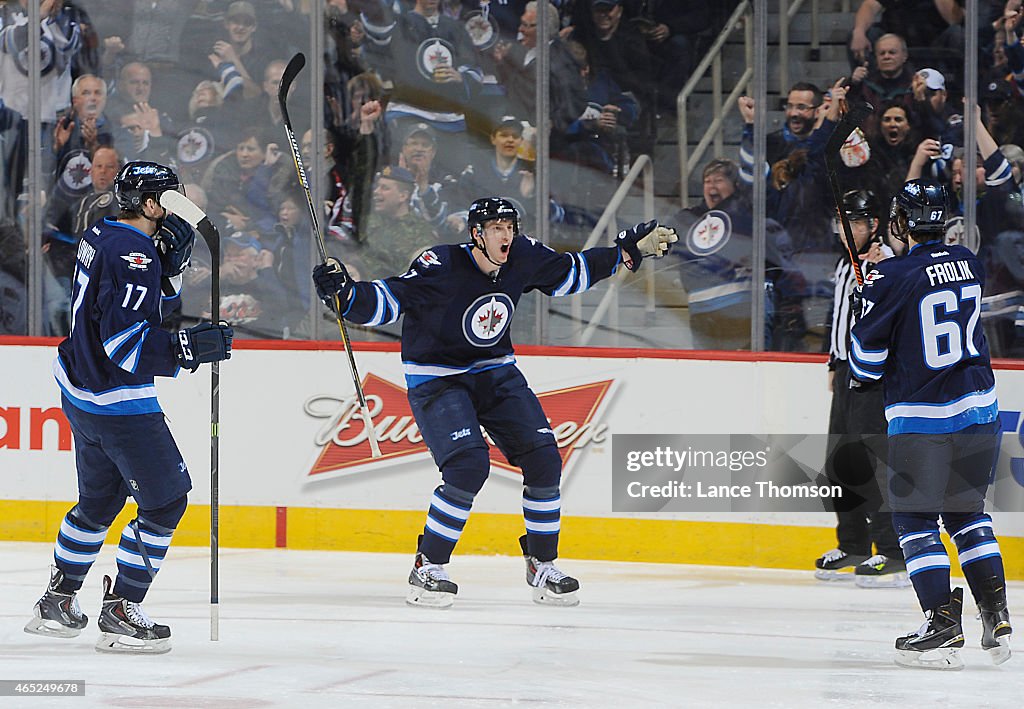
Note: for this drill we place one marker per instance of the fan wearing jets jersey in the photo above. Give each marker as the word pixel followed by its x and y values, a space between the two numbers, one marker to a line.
pixel 919 334
pixel 856 426
pixel 126 279
pixel 458 301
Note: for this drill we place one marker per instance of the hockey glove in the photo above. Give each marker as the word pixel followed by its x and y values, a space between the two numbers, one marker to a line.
pixel 646 239
pixel 206 342
pixel 174 241
pixel 330 278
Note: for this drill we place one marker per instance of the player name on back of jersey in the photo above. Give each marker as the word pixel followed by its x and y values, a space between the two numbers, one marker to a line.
pixel 949 272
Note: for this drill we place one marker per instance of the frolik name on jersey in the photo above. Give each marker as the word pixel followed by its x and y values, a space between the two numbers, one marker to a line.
pixel 949 272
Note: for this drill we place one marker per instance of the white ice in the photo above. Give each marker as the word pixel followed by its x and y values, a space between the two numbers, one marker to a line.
pixel 331 629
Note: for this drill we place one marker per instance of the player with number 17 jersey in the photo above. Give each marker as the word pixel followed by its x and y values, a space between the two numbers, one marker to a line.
pixel 942 380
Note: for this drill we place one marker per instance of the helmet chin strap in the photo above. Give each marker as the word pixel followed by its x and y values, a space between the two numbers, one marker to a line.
pixel 483 247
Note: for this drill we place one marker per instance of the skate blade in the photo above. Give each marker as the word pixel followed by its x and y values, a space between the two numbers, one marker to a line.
pixel 50 629
pixel 122 644
pixel 1001 652
pixel 429 599
pixel 546 597
pixel 943 658
pixel 834 574
pixel 897 580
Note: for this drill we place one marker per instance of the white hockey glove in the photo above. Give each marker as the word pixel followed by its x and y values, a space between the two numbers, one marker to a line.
pixel 646 239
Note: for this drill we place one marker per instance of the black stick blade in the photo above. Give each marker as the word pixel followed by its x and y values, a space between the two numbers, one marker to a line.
pixel 295 65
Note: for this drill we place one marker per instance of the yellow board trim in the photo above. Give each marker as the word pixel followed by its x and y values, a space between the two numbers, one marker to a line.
pixel 610 539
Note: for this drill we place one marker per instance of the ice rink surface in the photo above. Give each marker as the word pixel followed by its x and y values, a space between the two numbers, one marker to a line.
pixel 331 629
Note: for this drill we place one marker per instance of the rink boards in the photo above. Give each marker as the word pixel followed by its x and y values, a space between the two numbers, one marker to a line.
pixel 295 468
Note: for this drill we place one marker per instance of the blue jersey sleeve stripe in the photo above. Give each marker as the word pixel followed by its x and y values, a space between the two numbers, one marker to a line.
pixel 131 362
pixel 868 356
pixel 565 287
pixel 584 274
pixel 393 304
pixel 863 374
pixel 114 343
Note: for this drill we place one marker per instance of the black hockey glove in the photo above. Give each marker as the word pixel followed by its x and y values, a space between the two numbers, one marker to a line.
pixel 856 304
pixel 206 342
pixel 646 239
pixel 174 241
pixel 331 278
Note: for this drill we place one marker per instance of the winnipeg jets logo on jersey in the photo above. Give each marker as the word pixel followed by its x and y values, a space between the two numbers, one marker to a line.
pixel 137 261
pixel 487 319
pixel 709 234
pixel 428 259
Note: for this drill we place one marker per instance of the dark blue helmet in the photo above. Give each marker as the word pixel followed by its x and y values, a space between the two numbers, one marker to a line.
pixel 138 179
pixel 920 207
pixel 488 208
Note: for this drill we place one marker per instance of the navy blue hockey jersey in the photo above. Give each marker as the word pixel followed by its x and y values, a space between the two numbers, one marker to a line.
pixel 107 364
pixel 921 331
pixel 456 317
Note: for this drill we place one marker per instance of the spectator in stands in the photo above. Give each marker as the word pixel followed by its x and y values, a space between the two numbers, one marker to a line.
pixel 234 52
pixel 141 136
pixel 433 80
pixel 395 234
pixel 597 138
pixel 86 126
pixel 935 24
pixel 433 198
pixel 930 105
pixel 253 299
pixel 676 32
pixel 237 185
pixel 516 71
pixel 802 103
pixel 292 245
pixel 1003 111
pixel 502 173
pixel 153 32
pixel 889 81
pixel 715 262
pixel 65 220
pixel 63 37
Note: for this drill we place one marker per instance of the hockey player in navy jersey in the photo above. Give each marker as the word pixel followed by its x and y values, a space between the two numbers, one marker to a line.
pixel 127 278
pixel 458 301
pixel 919 334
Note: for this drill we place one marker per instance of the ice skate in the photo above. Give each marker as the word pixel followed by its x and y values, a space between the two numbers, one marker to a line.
pixel 936 645
pixel 125 627
pixel 995 623
pixel 429 585
pixel 550 586
pixel 881 571
pixel 56 613
pixel 836 565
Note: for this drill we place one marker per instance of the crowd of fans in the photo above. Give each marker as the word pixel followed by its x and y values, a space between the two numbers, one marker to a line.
pixel 429 104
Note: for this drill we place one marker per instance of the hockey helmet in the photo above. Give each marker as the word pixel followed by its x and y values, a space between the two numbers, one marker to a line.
pixel 858 204
pixel 487 208
pixel 920 207
pixel 141 178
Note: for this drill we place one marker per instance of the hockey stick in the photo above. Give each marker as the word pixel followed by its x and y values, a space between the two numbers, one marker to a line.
pixel 854 116
pixel 179 204
pixel 290 72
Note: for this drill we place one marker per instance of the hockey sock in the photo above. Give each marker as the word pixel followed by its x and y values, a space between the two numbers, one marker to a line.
pixel 542 512
pixel 446 518
pixel 144 543
pixel 927 561
pixel 977 550
pixel 78 544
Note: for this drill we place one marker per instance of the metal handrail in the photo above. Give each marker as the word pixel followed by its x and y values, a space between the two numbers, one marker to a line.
pixel 609 226
pixel 720 109
pixel 711 59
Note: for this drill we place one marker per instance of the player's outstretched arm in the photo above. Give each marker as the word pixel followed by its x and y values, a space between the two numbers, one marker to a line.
pixel 645 239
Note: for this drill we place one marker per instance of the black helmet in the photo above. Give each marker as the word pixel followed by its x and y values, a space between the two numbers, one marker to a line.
pixel 140 178
pixel 920 207
pixel 488 208
pixel 859 204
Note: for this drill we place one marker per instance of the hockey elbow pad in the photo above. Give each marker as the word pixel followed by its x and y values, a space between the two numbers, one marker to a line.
pixel 206 342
